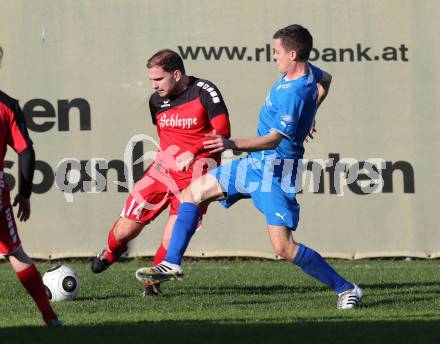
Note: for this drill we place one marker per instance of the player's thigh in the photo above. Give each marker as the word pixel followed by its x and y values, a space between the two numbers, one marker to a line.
pixel 19 260
pixel 147 200
pixel 9 238
pixel 279 207
pixel 233 179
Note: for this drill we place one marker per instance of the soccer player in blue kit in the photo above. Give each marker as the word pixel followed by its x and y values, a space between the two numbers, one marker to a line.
pixel 268 174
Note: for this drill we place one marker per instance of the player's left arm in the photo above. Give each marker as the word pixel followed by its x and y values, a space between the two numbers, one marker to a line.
pixel 323 86
pixel 20 141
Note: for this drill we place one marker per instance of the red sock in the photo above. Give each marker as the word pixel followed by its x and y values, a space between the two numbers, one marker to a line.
pixel 31 280
pixel 115 248
pixel 160 254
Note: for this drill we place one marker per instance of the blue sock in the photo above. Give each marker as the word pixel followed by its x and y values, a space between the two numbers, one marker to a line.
pixel 314 265
pixel 184 228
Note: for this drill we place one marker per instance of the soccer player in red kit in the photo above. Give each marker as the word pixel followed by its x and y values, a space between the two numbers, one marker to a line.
pixel 13 132
pixel 184 109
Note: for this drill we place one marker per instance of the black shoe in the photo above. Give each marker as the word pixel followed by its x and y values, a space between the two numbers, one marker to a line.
pixel 99 264
pixel 54 323
pixel 151 289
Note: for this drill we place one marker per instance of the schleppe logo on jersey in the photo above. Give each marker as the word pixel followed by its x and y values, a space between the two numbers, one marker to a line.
pixel 177 121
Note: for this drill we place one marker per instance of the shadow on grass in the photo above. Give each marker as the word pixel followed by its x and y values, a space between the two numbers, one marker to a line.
pixel 209 332
pixel 255 289
pixel 401 285
pixel 103 297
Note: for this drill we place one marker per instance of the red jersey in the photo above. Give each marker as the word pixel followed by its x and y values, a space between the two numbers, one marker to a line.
pixel 183 121
pixel 13 130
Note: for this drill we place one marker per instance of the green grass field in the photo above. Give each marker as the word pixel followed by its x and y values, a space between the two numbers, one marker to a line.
pixel 239 301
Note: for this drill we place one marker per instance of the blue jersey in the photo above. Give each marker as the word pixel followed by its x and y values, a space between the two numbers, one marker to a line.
pixel 290 109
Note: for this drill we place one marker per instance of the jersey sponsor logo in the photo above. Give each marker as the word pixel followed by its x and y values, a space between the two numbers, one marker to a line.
pixel 166 103
pixel 175 120
pixel 282 86
pixel 287 118
pixel 211 91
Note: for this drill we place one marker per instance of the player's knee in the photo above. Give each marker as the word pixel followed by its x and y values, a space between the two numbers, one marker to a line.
pixel 283 251
pixel 124 231
pixel 187 196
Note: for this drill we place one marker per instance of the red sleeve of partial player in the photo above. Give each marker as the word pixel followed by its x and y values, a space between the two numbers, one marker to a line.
pixel 221 126
pixel 18 138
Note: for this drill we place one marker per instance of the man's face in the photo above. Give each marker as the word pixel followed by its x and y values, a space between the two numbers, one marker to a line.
pixel 283 58
pixel 163 82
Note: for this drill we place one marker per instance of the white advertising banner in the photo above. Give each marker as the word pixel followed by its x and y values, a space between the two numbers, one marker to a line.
pixel 78 69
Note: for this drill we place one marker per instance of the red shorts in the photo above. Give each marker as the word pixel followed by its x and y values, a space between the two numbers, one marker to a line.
pixel 9 239
pixel 151 195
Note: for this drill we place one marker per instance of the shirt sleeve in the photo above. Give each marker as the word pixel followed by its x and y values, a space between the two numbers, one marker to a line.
pixel 212 99
pixel 18 138
pixel 287 116
pixel 152 111
pixel 317 73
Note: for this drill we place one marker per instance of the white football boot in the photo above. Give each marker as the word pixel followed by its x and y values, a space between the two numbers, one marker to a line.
pixel 350 299
pixel 161 272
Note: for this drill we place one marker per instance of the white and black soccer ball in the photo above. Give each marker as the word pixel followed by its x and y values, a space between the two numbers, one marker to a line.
pixel 62 283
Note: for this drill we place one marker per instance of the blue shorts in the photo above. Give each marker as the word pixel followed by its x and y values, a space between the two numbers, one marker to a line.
pixel 268 181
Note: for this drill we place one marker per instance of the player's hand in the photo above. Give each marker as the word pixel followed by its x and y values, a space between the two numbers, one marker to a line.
pixel 311 132
pixel 321 92
pixel 24 207
pixel 184 161
pixel 166 159
pixel 217 144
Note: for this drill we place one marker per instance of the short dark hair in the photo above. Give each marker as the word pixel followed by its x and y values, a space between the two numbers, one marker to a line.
pixel 298 38
pixel 168 60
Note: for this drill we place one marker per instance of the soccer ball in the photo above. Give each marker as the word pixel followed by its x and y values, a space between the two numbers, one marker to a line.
pixel 62 283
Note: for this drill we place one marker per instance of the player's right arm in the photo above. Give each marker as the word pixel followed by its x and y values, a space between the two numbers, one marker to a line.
pixel 266 142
